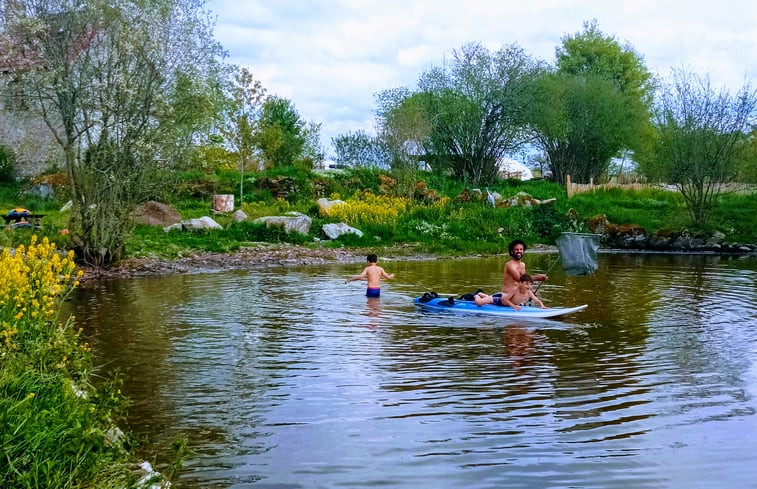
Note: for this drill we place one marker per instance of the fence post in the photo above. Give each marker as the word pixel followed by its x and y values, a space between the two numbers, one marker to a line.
pixel 568 186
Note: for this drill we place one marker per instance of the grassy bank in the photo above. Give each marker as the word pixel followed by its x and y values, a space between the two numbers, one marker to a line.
pixel 57 430
pixel 433 220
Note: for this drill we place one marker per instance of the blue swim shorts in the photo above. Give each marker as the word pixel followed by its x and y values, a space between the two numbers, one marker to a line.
pixel 373 292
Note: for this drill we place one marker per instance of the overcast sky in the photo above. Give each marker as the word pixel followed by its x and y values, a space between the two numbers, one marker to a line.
pixel 330 58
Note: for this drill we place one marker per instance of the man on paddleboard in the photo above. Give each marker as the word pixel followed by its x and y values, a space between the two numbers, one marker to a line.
pixel 514 268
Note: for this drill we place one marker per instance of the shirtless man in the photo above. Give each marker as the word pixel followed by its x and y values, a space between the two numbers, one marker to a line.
pixel 373 273
pixel 515 267
pixel 516 298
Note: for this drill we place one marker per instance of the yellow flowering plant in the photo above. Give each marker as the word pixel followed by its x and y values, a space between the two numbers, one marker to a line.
pixel 368 208
pixel 34 280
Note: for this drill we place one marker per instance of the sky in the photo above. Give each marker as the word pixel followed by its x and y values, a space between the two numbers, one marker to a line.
pixel 331 57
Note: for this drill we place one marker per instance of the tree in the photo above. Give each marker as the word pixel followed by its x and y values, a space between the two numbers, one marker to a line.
pixel 580 122
pixel 245 101
pixel 702 133
pixel 105 75
pixel 355 148
pixel 595 105
pixel 465 115
pixel 281 133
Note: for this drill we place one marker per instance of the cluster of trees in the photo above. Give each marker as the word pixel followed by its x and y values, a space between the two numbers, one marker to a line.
pixel 130 90
pixel 597 102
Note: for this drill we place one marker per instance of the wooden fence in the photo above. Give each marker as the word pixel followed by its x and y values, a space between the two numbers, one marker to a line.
pixel 577 188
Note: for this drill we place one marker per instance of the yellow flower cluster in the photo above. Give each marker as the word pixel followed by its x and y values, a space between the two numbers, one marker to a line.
pixel 367 208
pixel 33 281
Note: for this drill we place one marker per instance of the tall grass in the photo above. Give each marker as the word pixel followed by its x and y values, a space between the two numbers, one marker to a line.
pixel 56 428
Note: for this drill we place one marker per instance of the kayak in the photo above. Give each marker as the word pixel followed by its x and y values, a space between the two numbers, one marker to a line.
pixel 470 307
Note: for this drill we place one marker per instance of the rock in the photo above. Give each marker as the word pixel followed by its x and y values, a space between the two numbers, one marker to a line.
pixel 292 221
pixel 155 213
pixel 333 231
pixel 42 191
pixel 204 222
pixel 173 227
pixel 239 216
pixel 325 205
pixel 525 200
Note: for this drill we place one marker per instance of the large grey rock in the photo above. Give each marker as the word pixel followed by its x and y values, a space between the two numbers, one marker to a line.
pixel 333 231
pixel 155 213
pixel 239 216
pixel 292 221
pixel 325 205
pixel 204 222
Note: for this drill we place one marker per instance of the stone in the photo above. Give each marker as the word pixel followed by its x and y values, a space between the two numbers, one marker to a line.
pixel 204 222
pixel 325 205
pixel 155 213
pixel 239 216
pixel 333 231
pixel 292 221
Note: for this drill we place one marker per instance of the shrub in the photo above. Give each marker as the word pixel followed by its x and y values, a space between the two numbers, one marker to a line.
pixel 7 164
pixel 55 426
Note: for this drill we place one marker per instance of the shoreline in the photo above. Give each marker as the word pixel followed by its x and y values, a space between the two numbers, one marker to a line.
pixel 266 255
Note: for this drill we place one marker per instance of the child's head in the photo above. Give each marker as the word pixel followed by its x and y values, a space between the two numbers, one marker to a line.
pixel 372 258
pixel 526 278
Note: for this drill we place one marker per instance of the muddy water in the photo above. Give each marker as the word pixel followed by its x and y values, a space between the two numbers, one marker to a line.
pixel 290 378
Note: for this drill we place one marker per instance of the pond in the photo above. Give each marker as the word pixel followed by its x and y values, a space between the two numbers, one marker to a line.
pixel 289 377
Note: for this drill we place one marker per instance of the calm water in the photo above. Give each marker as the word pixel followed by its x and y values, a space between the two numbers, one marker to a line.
pixel 290 378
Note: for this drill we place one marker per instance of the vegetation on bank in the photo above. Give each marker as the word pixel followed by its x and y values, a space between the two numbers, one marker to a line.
pixel 57 430
pixel 432 220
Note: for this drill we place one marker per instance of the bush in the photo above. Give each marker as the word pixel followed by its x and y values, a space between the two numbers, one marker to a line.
pixel 7 164
pixel 55 427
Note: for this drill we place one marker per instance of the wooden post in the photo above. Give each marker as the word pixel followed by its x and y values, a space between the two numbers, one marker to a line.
pixel 568 186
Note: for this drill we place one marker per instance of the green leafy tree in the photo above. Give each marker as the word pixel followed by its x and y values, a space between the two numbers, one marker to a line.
pixel 465 116
pixel 593 107
pixel 108 76
pixel 475 106
pixel 244 105
pixel 703 133
pixel 355 149
pixel 281 133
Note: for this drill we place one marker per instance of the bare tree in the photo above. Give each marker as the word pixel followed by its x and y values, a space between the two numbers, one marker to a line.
pixel 701 132
pixel 102 74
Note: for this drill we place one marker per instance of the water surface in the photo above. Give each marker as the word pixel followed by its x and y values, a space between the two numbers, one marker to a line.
pixel 290 378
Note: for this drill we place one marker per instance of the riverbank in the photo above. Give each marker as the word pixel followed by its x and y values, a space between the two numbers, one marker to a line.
pixel 263 255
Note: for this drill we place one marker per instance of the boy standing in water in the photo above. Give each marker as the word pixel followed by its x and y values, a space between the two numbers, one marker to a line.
pixel 373 273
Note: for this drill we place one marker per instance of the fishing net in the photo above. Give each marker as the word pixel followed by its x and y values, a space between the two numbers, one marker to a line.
pixel 578 252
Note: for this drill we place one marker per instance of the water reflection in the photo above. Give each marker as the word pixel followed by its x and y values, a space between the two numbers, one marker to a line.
pixel 276 385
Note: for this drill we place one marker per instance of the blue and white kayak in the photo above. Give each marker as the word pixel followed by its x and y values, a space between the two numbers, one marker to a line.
pixel 470 307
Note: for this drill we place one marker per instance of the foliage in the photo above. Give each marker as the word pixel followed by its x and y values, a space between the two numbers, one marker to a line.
pixel 476 110
pixel 120 93
pixel 7 163
pixel 594 105
pixel 701 135
pixel 355 149
pixel 367 208
pixel 56 428
pixel 281 133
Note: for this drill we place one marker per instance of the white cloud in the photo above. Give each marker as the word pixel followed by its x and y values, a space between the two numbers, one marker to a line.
pixel 330 57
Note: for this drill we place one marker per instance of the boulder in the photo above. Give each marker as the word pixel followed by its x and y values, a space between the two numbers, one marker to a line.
pixel 333 231
pixel 239 216
pixel 292 221
pixel 325 205
pixel 205 222
pixel 524 200
pixel 156 214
